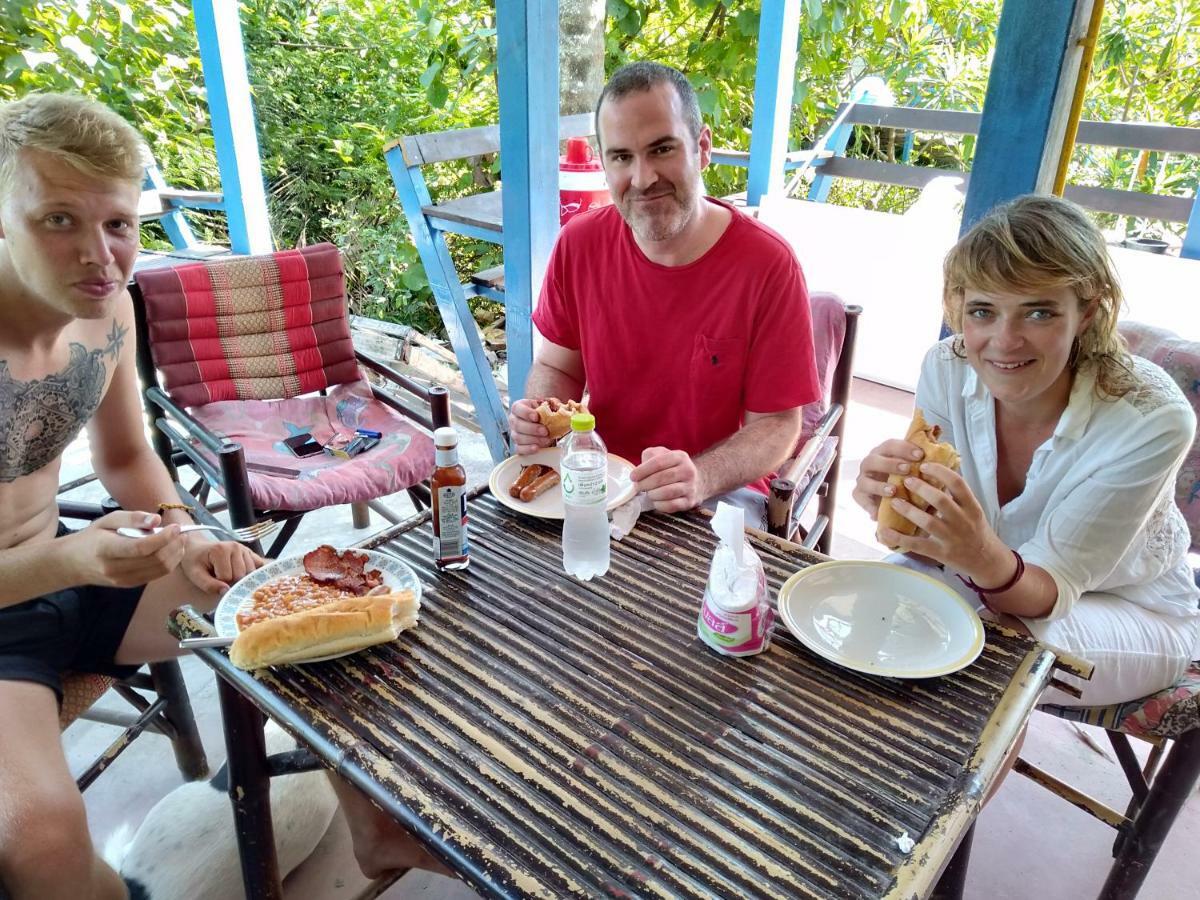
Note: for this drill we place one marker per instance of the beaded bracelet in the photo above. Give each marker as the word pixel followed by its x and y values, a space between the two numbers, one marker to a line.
pixel 1007 586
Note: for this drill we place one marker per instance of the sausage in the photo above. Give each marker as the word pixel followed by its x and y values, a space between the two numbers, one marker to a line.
pixel 527 477
pixel 541 484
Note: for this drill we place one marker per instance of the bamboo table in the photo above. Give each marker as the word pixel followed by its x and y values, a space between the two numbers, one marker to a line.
pixel 546 737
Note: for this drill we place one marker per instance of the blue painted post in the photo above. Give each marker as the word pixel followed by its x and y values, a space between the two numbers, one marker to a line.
pixel 227 85
pixel 527 50
pixel 871 90
pixel 452 303
pixel 179 231
pixel 1023 103
pixel 1191 237
pixel 774 78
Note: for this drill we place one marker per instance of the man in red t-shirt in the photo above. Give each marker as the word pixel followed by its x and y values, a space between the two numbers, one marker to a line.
pixel 686 321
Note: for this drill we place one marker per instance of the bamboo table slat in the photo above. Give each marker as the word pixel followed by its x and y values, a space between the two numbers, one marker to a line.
pixel 547 737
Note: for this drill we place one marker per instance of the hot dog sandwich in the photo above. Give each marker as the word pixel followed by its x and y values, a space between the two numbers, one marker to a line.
pixel 556 414
pixel 333 628
pixel 926 437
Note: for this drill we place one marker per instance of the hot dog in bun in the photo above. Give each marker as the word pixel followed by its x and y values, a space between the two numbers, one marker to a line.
pixel 926 437
pixel 556 414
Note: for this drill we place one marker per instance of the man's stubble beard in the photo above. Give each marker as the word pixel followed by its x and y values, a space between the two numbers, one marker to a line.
pixel 653 229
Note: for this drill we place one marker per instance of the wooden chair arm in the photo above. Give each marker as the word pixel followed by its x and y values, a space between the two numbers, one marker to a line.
pixel 781 500
pixel 436 396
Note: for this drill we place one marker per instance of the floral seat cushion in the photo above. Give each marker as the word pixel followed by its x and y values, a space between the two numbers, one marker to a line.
pixel 829 333
pixel 1167 714
pixel 80 691
pixel 1180 359
pixel 403 457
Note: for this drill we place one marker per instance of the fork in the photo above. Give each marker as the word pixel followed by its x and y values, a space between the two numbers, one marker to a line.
pixel 250 533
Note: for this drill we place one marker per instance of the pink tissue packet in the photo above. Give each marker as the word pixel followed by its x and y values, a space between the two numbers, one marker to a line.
pixel 736 616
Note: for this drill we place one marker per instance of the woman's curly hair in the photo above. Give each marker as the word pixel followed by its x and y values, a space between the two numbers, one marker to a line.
pixel 1039 242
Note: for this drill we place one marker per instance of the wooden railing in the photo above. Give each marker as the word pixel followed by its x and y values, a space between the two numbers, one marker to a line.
pixel 1137 136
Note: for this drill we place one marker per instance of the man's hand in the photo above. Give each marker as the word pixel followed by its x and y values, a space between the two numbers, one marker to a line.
pixel 214 565
pixel 525 428
pixel 98 555
pixel 670 478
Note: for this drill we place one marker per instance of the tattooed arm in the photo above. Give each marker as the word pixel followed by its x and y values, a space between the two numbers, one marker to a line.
pixel 132 472
pixel 125 463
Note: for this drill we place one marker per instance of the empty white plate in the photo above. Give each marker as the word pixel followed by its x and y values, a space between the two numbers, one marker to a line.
pixel 881 619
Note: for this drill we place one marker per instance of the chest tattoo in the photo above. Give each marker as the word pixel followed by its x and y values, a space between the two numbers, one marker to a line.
pixel 39 418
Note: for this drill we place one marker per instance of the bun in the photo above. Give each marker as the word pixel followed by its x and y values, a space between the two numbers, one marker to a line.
pixel 339 627
pixel 556 414
pixel 926 437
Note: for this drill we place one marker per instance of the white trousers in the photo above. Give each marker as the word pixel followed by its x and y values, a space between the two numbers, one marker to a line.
pixel 1136 651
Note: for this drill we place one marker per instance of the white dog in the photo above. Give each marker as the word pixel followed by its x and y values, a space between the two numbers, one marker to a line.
pixel 186 847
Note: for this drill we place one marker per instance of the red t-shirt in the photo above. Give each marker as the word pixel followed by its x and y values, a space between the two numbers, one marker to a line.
pixel 674 355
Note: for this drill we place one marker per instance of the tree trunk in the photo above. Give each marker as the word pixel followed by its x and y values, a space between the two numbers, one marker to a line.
pixel 580 55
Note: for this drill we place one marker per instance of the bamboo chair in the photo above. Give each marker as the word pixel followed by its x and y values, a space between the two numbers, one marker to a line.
pixel 813 471
pixel 156 695
pixel 1168 720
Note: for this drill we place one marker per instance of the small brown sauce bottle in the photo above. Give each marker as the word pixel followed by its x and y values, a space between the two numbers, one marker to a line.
pixel 449 484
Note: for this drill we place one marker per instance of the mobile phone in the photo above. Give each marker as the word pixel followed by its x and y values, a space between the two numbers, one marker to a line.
pixel 302 445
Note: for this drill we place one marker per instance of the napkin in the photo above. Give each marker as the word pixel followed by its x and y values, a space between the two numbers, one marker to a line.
pixel 625 516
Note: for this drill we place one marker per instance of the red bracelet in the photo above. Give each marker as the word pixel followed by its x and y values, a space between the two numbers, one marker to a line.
pixel 1007 586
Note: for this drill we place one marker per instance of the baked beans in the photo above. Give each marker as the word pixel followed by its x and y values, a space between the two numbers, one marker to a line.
pixel 286 595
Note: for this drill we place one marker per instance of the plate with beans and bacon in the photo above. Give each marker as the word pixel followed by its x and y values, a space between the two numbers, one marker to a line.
pixel 323 576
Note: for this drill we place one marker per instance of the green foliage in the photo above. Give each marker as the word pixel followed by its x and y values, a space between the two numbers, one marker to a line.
pixel 335 81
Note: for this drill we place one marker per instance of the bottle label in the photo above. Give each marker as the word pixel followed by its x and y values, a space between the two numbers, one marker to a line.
pixel 450 536
pixel 735 633
pixel 586 488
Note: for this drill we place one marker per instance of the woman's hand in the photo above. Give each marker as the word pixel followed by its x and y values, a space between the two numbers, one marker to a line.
pixel 957 533
pixel 894 457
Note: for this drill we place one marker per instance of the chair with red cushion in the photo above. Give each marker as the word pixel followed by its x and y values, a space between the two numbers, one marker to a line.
pixel 251 351
pixel 1169 719
pixel 813 470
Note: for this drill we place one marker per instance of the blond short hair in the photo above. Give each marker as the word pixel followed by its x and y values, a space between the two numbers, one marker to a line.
pixel 1040 242
pixel 84 134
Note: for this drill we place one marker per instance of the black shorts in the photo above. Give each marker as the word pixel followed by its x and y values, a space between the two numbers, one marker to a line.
pixel 74 630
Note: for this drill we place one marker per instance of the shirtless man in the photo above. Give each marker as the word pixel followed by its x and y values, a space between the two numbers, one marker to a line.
pixel 70 176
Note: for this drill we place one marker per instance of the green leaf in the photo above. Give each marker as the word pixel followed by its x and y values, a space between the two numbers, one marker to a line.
pixel 414 279
pixel 437 94
pixel 430 73
pixel 814 9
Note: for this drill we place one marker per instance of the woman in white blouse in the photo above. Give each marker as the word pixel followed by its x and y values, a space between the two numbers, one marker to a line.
pixel 1062 519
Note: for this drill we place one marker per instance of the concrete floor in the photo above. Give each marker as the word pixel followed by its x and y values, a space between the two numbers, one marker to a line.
pixel 1028 842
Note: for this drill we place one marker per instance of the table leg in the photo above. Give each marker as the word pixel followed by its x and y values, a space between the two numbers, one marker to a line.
pixel 954 877
pixel 1171 788
pixel 250 794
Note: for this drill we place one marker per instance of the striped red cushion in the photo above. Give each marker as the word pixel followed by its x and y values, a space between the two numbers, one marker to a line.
pixel 251 327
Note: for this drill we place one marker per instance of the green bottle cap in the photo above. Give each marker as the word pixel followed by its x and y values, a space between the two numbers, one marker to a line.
pixel 583 422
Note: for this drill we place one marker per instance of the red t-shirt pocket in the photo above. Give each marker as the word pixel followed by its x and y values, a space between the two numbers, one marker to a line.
pixel 717 380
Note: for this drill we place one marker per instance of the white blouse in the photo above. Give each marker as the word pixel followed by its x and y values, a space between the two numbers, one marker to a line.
pixel 1097 512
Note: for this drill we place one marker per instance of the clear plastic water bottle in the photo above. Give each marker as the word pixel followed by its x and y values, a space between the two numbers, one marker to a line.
pixel 585 498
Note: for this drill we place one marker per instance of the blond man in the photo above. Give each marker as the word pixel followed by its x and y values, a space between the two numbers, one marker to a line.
pixel 89 600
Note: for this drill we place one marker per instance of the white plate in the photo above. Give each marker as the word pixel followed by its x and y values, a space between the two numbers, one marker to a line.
pixel 881 619
pixel 549 505
pixel 397 575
